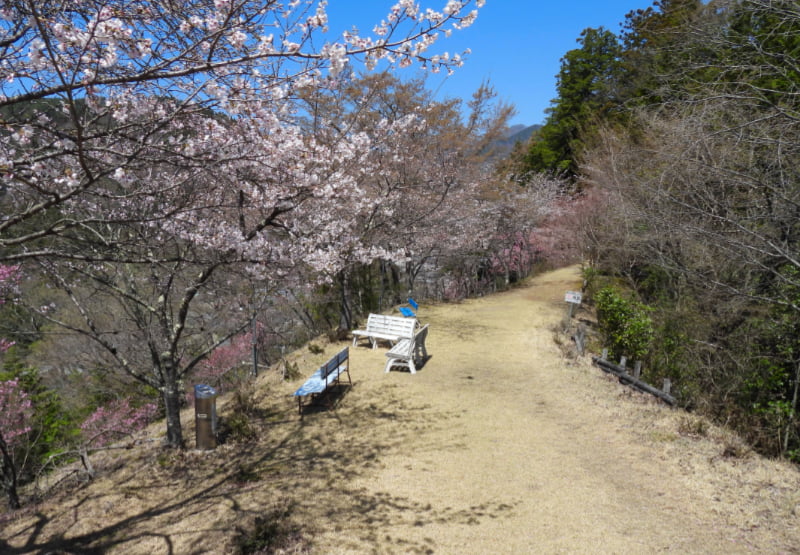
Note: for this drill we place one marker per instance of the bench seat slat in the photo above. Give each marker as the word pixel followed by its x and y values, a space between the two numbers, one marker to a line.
pixel 401 348
pixel 317 384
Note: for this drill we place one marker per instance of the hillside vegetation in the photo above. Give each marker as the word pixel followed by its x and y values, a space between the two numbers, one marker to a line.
pixel 681 132
pixel 192 191
pixel 503 442
pixel 190 185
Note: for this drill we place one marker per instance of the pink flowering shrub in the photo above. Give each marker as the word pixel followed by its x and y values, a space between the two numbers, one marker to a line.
pixel 115 420
pixel 568 234
pixel 16 410
pixel 513 257
pixel 215 368
pixel 9 279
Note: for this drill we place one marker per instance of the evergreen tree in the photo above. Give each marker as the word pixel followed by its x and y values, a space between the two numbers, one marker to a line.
pixel 653 49
pixel 586 93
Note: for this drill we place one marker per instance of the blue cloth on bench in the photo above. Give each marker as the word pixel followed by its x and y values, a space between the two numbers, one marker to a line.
pixel 327 374
pixel 317 384
pixel 408 312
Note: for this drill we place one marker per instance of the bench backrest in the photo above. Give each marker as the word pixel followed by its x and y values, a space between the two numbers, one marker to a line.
pixel 413 304
pixel 335 362
pixel 421 335
pixel 408 347
pixel 418 348
pixel 375 321
pixel 391 325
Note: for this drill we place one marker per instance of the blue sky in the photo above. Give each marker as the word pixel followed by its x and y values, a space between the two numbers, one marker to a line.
pixel 516 44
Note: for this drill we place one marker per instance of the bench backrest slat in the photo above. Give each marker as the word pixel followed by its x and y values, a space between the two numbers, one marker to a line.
pixel 374 319
pixel 419 339
pixel 392 325
pixel 335 362
pixel 407 347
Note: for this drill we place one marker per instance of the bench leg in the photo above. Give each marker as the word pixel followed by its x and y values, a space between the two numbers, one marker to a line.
pixel 401 362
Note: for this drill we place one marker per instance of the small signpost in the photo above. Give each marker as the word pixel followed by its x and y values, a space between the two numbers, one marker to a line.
pixel 574 299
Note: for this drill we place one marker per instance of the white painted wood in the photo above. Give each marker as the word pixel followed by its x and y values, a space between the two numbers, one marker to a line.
pixel 385 327
pixel 407 352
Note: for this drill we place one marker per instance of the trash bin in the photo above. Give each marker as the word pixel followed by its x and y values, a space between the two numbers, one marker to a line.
pixel 205 416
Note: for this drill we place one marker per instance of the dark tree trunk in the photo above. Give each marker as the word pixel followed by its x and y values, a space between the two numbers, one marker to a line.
pixel 172 408
pixel 346 313
pixel 9 475
pixel 172 405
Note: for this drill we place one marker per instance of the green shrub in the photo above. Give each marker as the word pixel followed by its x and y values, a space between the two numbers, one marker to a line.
pixel 591 279
pixel 625 324
pixel 237 427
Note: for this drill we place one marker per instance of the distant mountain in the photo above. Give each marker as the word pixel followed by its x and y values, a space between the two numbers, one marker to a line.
pixel 520 133
pixel 515 134
pixel 514 129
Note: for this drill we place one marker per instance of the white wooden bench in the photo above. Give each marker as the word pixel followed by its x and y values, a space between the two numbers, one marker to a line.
pixel 388 328
pixel 328 374
pixel 408 352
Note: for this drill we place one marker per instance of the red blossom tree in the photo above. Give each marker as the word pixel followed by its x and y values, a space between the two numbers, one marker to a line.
pixel 115 420
pixel 225 358
pixel 15 413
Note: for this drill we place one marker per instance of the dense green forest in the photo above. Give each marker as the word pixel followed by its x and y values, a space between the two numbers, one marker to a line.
pixel 684 129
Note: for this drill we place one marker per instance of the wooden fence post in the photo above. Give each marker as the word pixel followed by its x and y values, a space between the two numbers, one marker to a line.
pixel 637 369
pixel 624 377
pixel 580 338
pixel 623 361
pixel 605 354
pixel 667 386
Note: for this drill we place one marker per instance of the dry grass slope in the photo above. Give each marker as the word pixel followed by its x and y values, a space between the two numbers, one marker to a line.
pixel 502 443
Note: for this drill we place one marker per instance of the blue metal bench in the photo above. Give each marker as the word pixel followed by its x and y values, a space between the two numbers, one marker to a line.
pixel 327 375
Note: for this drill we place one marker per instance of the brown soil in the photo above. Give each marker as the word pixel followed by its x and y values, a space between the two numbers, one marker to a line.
pixel 501 443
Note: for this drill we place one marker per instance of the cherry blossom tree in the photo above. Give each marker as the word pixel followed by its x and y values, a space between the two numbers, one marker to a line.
pixel 111 422
pixel 215 368
pixel 411 174
pixel 150 148
pixel 15 413
pixel 94 92
pixel 9 285
pixel 114 420
pixel 15 406
pixel 496 236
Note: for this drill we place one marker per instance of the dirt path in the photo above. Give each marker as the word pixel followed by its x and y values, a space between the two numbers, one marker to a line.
pixel 500 444
pixel 508 448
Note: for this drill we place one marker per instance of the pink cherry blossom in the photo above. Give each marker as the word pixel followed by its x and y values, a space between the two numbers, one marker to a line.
pixel 115 420
pixel 16 410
